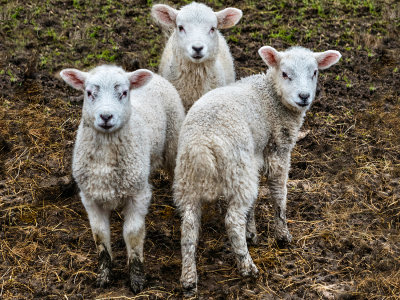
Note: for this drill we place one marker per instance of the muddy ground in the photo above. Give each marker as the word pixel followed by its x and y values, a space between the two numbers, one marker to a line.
pixel 343 194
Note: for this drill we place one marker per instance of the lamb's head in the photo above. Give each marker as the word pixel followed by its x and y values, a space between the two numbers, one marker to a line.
pixel 196 27
pixel 295 73
pixel 106 89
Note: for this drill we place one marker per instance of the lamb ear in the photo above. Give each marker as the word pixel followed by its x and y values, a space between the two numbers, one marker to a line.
pixel 327 58
pixel 74 78
pixel 139 78
pixel 228 17
pixel 164 14
pixel 270 56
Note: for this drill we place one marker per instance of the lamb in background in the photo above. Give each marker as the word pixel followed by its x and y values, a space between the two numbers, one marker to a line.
pixel 232 133
pixel 196 58
pixel 130 125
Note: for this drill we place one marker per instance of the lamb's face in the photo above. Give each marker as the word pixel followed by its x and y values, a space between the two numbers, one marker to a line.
pixel 296 80
pixel 107 105
pixel 195 28
pixel 295 73
pixel 196 31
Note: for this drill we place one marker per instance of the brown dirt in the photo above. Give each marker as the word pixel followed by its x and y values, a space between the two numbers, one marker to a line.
pixel 343 194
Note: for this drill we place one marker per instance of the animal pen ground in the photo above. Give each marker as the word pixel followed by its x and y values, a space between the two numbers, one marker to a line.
pixel 344 184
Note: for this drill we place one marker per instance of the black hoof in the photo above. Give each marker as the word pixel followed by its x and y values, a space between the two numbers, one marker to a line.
pixel 104 269
pixel 137 275
pixel 284 242
pixel 252 239
pixel 189 291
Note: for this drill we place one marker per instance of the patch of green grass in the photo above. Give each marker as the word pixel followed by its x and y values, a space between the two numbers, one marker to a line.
pixel 13 78
pixel 51 33
pixel 347 81
pixel 285 34
pixel 233 38
pixel 16 13
pixel 94 31
pixel 76 4
pixel 107 55
pixel 257 35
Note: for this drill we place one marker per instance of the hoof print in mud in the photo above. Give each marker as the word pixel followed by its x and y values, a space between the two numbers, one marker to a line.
pixel 137 276
pixel 104 269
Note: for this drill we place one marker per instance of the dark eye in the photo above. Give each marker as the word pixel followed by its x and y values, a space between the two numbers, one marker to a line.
pixel 315 73
pixel 212 29
pixel 123 95
pixel 285 75
pixel 89 93
pixel 180 28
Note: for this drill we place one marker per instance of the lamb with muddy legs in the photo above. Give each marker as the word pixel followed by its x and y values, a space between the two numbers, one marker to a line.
pixel 230 135
pixel 129 127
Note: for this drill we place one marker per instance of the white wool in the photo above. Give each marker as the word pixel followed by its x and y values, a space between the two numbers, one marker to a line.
pixel 231 134
pixel 195 26
pixel 130 126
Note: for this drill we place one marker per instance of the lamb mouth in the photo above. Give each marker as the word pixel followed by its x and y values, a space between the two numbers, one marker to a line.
pixel 302 104
pixel 197 56
pixel 106 127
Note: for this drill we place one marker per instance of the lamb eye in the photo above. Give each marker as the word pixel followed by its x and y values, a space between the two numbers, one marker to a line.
pixel 315 73
pixel 212 29
pixel 285 75
pixel 180 28
pixel 89 93
pixel 123 95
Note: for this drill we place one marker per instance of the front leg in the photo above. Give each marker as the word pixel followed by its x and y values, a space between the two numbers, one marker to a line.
pixel 134 233
pixel 251 230
pixel 99 219
pixel 278 170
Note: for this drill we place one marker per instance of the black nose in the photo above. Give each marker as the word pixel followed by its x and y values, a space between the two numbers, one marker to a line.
pixel 304 96
pixel 197 49
pixel 106 117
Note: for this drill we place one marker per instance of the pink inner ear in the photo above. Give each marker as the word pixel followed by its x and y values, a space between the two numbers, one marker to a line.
pixel 164 16
pixel 228 17
pixel 327 60
pixel 140 79
pixel 76 80
pixel 270 57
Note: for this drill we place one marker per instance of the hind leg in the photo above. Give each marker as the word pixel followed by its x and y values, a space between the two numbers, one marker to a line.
pixel 134 233
pixel 235 222
pixel 191 218
pixel 99 219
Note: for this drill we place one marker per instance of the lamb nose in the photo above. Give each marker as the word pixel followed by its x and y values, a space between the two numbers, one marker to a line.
pixel 304 96
pixel 106 117
pixel 197 49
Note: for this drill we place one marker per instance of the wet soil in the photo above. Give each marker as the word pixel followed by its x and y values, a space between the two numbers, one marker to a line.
pixel 343 190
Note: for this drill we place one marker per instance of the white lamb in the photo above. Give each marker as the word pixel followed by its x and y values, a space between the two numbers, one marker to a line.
pixel 232 133
pixel 130 124
pixel 196 58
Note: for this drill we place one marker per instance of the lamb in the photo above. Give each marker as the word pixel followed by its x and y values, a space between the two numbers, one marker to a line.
pixel 129 127
pixel 232 133
pixel 196 58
